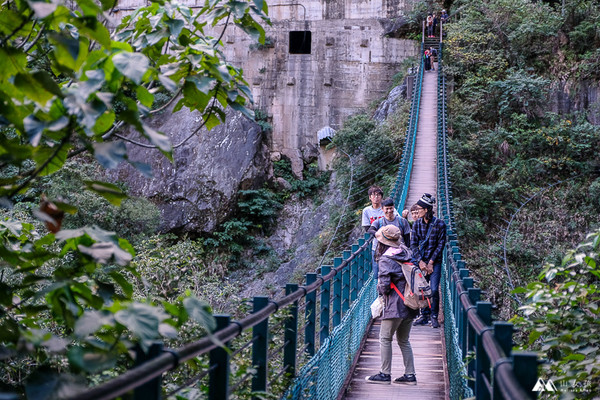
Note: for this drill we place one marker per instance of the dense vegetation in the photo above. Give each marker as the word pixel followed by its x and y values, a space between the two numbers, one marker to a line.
pixel 526 169
pixel 72 303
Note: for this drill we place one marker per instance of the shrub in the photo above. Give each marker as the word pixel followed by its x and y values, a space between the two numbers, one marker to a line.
pixel 561 319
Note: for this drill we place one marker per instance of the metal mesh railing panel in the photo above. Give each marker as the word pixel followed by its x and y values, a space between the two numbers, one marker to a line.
pixel 323 376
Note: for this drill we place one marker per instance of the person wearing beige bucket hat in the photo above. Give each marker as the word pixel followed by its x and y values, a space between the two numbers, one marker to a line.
pixel 396 319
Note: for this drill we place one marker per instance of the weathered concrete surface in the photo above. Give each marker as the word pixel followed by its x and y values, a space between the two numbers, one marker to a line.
pixel 351 64
pixel 198 190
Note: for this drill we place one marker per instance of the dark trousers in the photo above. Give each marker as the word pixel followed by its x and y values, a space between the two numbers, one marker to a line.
pixel 434 283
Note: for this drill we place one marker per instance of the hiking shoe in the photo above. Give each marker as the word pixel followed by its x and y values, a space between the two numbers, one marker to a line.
pixel 406 380
pixel 422 320
pixel 380 378
pixel 434 322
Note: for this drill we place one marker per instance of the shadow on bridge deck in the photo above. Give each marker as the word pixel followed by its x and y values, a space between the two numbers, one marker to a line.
pixel 428 351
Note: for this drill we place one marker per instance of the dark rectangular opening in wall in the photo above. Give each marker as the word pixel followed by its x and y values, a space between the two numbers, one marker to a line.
pixel 300 42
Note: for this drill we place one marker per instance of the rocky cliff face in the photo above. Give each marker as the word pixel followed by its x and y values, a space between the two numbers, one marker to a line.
pixel 567 97
pixel 198 190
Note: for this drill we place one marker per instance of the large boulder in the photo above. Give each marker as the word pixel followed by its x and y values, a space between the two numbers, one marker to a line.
pixel 198 190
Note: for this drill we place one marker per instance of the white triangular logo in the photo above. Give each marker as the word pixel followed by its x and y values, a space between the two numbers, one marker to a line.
pixel 540 386
pixel 550 386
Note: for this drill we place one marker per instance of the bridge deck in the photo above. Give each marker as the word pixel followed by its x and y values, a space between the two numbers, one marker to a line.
pixel 428 351
pixel 423 178
pixel 427 343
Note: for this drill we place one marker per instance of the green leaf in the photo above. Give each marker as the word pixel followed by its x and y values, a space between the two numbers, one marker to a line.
pixel 41 8
pixel 199 311
pixel 110 192
pixel 258 4
pixel 132 65
pixel 141 319
pixel 91 361
pixel 32 89
pixel 108 4
pixel 175 26
pixel 110 154
pixel 66 49
pixel 104 122
pixel 42 155
pixel 34 129
pixel 9 330
pixel 167 83
pixel 91 321
pixel 106 251
pixel 12 61
pixel 122 282
pixel 43 385
pixel 202 83
pixel 144 96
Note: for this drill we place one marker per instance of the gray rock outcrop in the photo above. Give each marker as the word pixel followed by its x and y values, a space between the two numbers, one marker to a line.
pixel 198 190
pixel 390 104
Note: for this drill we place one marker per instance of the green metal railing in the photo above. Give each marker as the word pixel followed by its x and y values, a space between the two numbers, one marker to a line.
pixel 327 317
pixel 492 369
pixel 303 344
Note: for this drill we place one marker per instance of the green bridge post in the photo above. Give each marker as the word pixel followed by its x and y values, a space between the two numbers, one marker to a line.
pixel 337 294
pixel 218 377
pixel 325 302
pixel 346 284
pixel 526 366
pixel 503 333
pixel 474 295
pixel 310 314
pixel 152 389
pixel 291 334
pixel 361 265
pixel 354 275
pixel 260 333
pixel 482 362
pixel 462 325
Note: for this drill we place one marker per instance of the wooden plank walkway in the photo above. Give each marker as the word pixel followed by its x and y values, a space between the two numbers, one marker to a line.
pixel 430 367
pixel 427 343
pixel 423 178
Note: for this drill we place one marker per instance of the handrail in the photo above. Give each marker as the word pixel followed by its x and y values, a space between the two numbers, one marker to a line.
pixel 170 359
pixel 495 372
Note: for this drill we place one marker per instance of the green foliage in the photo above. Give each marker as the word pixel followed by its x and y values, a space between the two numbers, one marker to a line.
pixel 134 217
pixel 561 318
pixel 261 119
pixel 313 181
pixel 505 57
pixel 68 85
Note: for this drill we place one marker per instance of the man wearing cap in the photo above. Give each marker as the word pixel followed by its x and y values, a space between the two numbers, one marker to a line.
pixel 427 243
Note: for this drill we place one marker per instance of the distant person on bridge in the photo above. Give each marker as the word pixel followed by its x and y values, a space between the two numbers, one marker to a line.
pixel 396 319
pixel 444 17
pixel 427 242
pixel 429 23
pixel 371 214
pixel 427 60
pixel 390 217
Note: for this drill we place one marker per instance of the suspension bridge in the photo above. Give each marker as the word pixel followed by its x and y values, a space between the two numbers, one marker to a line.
pixel 318 341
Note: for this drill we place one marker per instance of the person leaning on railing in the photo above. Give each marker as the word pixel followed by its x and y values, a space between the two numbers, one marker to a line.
pixel 427 242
